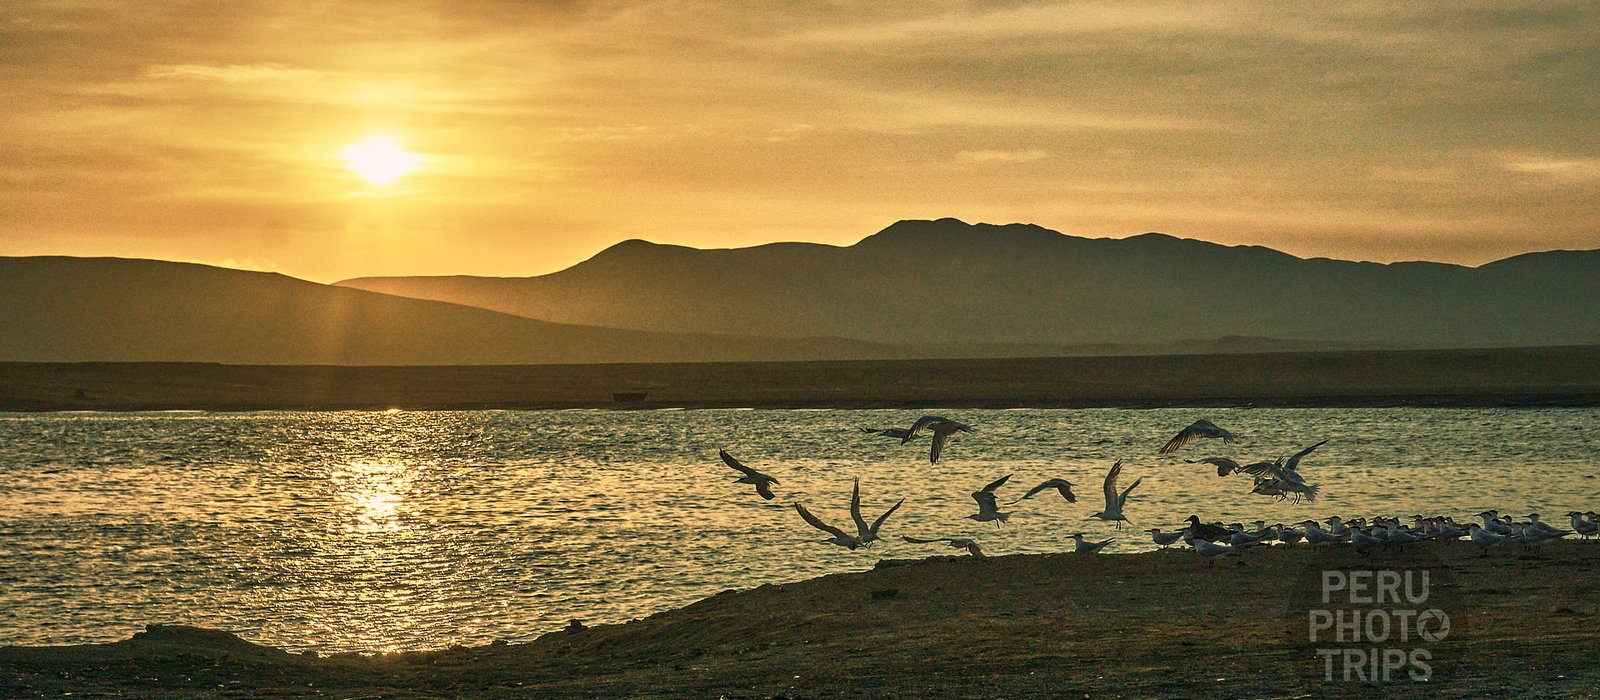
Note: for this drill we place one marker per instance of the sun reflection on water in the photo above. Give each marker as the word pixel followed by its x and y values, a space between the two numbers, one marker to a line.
pixel 374 493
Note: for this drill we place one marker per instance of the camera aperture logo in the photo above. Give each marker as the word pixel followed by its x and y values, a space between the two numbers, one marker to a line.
pixel 1375 625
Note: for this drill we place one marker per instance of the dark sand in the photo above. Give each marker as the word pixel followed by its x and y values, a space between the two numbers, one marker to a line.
pixel 1158 624
pixel 1498 377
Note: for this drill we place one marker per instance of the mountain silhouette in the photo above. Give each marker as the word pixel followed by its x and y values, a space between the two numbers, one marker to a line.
pixel 935 285
pixel 62 309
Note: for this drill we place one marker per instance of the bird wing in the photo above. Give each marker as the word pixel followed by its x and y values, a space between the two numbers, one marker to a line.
pixel 1224 465
pixel 818 524
pixel 730 461
pixel 1259 468
pixel 938 446
pixel 1294 461
pixel 869 431
pixel 1124 497
pixel 917 427
pixel 1110 486
pixel 855 509
pixel 879 522
pixel 1182 438
pixel 914 540
pixel 1065 489
pixel 765 489
pixel 997 483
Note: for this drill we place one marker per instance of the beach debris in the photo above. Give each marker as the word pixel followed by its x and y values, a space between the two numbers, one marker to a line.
pixel 1087 547
pixel 941 427
pixel 988 507
pixel 763 483
pixel 953 542
pixel 865 533
pixel 1061 486
pixel 1114 501
pixel 1199 429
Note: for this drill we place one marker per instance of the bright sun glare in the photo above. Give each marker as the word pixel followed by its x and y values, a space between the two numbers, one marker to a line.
pixel 379 160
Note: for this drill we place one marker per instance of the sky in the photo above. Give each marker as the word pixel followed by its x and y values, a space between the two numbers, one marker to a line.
pixel 542 132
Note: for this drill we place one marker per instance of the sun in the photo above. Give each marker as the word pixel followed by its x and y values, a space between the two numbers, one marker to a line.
pixel 379 160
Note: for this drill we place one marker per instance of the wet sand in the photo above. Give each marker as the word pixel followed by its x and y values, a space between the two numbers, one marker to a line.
pixel 1156 624
pixel 1567 376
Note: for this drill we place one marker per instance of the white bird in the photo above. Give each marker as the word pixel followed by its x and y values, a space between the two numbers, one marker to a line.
pixel 1087 547
pixel 1211 550
pixel 954 543
pixel 1199 429
pixel 988 509
pixel 1581 525
pixel 840 538
pixel 1115 501
pixel 762 482
pixel 1284 476
pixel 1483 539
pixel 1061 486
pixel 867 534
pixel 1316 535
pixel 942 429
pixel 1165 539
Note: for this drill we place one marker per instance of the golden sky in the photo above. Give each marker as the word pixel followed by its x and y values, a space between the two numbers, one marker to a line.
pixel 545 131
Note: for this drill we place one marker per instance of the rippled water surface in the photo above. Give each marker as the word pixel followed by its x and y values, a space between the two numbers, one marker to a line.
pixel 415 530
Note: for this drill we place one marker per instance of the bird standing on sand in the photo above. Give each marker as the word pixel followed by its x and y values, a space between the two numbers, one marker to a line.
pixel 942 429
pixel 1483 539
pixel 840 538
pixel 988 508
pixel 1211 550
pixel 1062 486
pixel 762 482
pixel 1199 429
pixel 1114 501
pixel 1087 547
pixel 1165 539
pixel 1207 531
pixel 954 543
pixel 867 534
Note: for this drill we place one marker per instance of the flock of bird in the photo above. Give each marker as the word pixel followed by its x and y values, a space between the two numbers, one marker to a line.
pixel 1279 478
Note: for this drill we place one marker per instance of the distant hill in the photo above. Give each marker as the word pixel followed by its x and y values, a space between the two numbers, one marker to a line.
pixel 946 287
pixel 59 309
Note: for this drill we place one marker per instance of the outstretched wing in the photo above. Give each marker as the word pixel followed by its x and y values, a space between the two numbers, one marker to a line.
pixel 855 509
pixel 1110 486
pixel 997 483
pixel 914 540
pixel 1034 490
pixel 1294 461
pixel 730 461
pixel 818 524
pixel 869 431
pixel 765 489
pixel 917 427
pixel 938 446
pixel 1182 438
pixel 1224 465
pixel 879 522
pixel 1124 497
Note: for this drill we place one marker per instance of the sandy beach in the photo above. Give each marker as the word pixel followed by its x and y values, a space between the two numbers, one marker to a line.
pixel 1554 376
pixel 1157 624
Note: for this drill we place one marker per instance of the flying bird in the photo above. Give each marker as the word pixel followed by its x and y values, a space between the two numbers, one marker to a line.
pixel 1062 486
pixel 850 542
pixel 941 427
pixel 1115 501
pixel 1282 478
pixel 1199 429
pixel 867 534
pixel 762 481
pixel 1224 465
pixel 888 432
pixel 988 509
pixel 954 543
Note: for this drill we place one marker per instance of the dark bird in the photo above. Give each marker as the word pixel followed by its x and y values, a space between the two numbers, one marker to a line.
pixel 988 508
pixel 942 429
pixel 1062 486
pixel 1199 429
pixel 762 482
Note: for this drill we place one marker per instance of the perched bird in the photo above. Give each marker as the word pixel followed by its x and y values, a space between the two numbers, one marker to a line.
pixel 1363 542
pixel 1062 486
pixel 762 482
pixel 840 538
pixel 867 534
pixel 888 432
pixel 1583 526
pixel 1087 547
pixel 1165 539
pixel 1316 535
pixel 955 543
pixel 1211 550
pixel 1289 535
pixel 1115 501
pixel 1207 531
pixel 1199 429
pixel 942 429
pixel 1484 539
pixel 988 509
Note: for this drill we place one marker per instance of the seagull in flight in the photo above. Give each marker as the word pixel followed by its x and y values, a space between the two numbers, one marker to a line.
pixel 840 538
pixel 887 432
pixel 1199 429
pixel 762 481
pixel 988 509
pixel 941 427
pixel 954 543
pixel 1282 478
pixel 1062 486
pixel 867 534
pixel 1115 501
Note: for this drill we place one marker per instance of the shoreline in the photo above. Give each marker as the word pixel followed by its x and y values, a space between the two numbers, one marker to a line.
pixel 1156 623
pixel 1503 377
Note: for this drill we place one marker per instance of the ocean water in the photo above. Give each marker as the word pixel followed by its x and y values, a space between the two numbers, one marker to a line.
pixel 384 531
